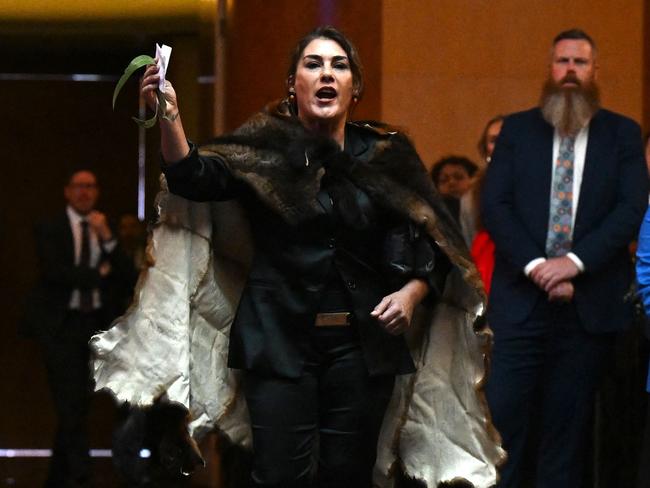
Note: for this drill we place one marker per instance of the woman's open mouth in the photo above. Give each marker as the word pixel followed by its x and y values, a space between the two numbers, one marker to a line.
pixel 326 93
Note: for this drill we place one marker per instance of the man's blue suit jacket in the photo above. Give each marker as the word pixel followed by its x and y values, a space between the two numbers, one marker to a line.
pixel 515 211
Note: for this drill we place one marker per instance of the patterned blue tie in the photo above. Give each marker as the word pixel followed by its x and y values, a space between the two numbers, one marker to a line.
pixel 558 239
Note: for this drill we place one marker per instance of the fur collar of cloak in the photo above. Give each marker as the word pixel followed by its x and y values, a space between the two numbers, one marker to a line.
pixel 284 164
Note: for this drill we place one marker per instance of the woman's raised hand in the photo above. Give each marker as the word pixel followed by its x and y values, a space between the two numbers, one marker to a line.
pixel 148 87
pixel 173 144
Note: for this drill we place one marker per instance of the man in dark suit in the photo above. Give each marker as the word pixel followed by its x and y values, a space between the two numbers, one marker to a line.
pixel 82 282
pixel 564 195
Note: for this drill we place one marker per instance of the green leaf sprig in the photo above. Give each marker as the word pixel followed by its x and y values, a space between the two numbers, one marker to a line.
pixel 161 107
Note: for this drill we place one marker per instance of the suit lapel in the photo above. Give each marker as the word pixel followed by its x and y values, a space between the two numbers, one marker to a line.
pixel 67 239
pixel 355 144
pixel 590 173
pixel 325 201
pixel 540 173
pixel 357 147
pixel 544 164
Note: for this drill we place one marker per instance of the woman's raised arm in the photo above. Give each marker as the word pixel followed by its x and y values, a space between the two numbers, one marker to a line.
pixel 173 143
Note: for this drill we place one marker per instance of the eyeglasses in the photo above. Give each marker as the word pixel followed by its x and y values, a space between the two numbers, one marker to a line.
pixel 83 186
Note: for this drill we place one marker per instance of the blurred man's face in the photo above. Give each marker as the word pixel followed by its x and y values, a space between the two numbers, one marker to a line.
pixel 453 181
pixel 81 192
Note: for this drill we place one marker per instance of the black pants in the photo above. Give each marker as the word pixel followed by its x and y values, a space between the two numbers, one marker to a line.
pixel 333 413
pixel 68 374
pixel 550 357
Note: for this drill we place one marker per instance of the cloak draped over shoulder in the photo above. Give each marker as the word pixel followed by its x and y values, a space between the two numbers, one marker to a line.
pixel 172 343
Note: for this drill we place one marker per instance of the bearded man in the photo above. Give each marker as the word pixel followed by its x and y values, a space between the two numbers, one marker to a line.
pixel 564 195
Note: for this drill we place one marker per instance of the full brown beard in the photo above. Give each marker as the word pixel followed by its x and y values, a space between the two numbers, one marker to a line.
pixel 569 109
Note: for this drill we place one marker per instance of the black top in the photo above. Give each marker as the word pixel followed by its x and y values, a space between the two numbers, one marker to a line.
pixel 296 267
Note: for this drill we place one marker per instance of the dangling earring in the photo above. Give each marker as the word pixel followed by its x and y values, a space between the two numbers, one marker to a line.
pixel 291 99
pixel 355 100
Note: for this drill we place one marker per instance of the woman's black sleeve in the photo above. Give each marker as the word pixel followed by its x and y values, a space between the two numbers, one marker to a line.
pixel 410 253
pixel 201 178
pixel 432 265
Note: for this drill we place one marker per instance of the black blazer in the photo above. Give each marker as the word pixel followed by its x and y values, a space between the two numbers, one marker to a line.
pixel 47 304
pixel 515 211
pixel 290 268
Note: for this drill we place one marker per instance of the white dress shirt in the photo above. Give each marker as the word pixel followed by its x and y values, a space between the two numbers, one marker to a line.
pixel 95 254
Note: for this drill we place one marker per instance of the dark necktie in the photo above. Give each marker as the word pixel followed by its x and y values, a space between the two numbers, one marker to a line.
pixel 86 296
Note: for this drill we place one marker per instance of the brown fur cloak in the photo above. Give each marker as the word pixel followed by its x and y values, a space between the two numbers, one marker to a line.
pixel 172 343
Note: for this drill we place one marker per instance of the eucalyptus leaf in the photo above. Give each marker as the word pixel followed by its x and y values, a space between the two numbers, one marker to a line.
pixel 147 123
pixel 135 64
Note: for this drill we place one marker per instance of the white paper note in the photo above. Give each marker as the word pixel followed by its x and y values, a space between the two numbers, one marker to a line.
pixel 163 53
